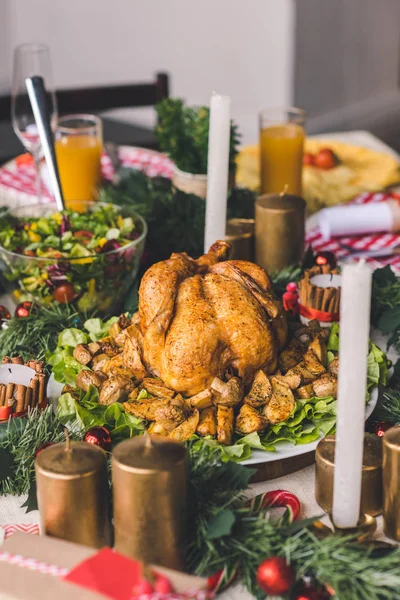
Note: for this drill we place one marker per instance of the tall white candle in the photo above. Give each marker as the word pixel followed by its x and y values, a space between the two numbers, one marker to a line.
pixel 355 304
pixel 217 169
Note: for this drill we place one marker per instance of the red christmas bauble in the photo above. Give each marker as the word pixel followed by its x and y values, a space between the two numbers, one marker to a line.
pixel 42 447
pixel 274 576
pixel 325 258
pixel 99 436
pixel 4 314
pixel 381 428
pixel 23 309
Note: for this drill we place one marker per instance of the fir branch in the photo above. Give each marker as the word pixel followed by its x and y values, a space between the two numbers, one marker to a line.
pixel 22 438
pixel 351 569
pixel 32 336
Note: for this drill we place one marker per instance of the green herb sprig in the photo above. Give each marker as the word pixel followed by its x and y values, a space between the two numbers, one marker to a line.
pixel 33 336
pixel 20 439
pixel 182 133
pixel 385 304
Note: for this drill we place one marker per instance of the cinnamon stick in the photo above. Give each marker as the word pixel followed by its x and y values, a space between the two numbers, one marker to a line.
pixel 34 384
pixel 2 394
pixel 28 397
pixel 5 360
pixel 9 394
pixel 42 387
pixel 39 365
pixel 20 397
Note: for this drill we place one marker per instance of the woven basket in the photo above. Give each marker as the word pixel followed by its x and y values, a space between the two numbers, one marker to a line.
pixel 192 183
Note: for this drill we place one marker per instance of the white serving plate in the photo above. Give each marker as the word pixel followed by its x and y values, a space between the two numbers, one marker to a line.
pixel 283 449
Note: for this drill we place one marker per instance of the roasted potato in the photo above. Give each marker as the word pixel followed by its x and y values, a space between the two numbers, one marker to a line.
pixel 282 402
pixel 261 390
pixel 82 354
pixel 115 389
pixel 99 362
pixel 185 430
pixel 94 348
pixel 293 380
pixel 291 356
pixel 227 394
pixel 202 400
pixel 312 363
pixel 158 429
pixel 144 409
pixel 85 378
pixel 174 411
pixel 333 366
pixel 305 391
pixel 249 420
pixel 325 386
pixel 207 422
pixel 318 346
pixel 157 388
pixel 225 418
pixel 115 330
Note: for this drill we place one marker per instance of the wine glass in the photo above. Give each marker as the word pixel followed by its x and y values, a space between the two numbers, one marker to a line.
pixel 30 60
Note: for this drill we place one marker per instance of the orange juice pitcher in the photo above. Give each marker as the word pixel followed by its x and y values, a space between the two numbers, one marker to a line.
pixel 281 150
pixel 79 146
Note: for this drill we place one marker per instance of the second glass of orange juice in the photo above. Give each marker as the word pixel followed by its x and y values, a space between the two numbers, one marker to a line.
pixel 79 144
pixel 281 150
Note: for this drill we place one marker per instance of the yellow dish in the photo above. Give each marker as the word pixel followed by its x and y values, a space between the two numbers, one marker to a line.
pixel 360 170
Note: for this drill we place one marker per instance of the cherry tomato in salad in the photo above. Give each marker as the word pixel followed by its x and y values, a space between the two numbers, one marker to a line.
pixel 84 236
pixel 64 293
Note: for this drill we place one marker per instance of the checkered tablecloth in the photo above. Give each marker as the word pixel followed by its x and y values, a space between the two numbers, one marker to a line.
pixel 17 177
pixel 365 242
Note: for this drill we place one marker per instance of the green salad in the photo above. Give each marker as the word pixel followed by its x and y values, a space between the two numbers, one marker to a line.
pixel 310 419
pixel 87 258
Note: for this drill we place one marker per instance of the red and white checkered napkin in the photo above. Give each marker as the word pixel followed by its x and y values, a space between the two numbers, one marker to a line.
pixel 20 175
pixel 365 242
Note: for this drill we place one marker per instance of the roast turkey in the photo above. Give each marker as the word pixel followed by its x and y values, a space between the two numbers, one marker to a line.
pixel 206 318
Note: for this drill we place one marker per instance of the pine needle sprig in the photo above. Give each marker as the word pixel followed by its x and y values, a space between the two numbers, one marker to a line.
pixel 32 336
pixel 227 534
pixel 22 438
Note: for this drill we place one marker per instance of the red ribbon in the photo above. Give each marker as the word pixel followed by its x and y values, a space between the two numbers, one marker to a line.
pixel 313 313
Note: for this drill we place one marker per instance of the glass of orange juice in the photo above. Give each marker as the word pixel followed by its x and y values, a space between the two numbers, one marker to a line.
pixel 79 144
pixel 281 150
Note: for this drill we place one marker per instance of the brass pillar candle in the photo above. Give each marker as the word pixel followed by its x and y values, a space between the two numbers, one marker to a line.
pixel 240 235
pixel 371 486
pixel 150 500
pixel 280 230
pixel 73 494
pixel 391 483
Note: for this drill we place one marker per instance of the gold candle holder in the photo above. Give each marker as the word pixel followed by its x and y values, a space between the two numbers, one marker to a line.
pixel 371 486
pixel 280 230
pixel 73 494
pixel 150 500
pixel 391 483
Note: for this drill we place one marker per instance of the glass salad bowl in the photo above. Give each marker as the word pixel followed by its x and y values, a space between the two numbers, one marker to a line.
pixel 89 259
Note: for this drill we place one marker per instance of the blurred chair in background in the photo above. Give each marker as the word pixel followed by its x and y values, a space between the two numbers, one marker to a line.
pixel 96 100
